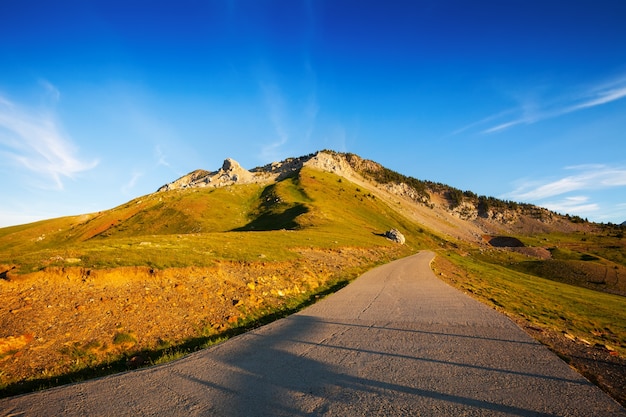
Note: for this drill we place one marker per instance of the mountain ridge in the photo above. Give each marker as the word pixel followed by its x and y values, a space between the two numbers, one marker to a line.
pixel 453 213
pixel 489 214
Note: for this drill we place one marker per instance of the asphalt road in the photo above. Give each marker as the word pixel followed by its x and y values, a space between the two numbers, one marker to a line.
pixel 397 341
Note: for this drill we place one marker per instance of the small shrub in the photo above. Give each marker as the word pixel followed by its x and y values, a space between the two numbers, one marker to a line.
pixel 123 338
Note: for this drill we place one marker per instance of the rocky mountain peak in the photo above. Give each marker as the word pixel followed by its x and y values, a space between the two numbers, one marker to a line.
pixel 231 165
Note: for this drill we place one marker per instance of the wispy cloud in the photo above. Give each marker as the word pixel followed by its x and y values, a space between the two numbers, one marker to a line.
pixel 276 111
pixel 34 140
pixel 52 92
pixel 132 182
pixel 571 193
pixel 535 110
pixel 580 205
pixel 290 120
pixel 160 156
pixel 586 177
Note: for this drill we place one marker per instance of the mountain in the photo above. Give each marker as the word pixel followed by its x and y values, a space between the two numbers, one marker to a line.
pixel 461 214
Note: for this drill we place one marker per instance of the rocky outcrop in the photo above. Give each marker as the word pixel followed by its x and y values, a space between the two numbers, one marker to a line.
pixel 331 162
pixel 282 169
pixel 395 235
pixel 186 180
pixel 230 173
pixel 404 190
pixel 383 182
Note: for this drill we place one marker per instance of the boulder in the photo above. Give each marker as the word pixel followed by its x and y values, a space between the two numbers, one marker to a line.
pixel 395 235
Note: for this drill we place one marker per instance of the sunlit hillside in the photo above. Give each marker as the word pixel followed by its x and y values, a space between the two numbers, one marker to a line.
pixel 184 267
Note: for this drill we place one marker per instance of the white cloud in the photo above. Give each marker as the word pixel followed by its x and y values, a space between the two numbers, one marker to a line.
pixel 132 182
pixel 34 140
pixel 276 109
pixel 597 99
pixel 297 124
pixel 160 156
pixel 504 126
pixel 292 110
pixel 576 204
pixel 535 110
pixel 588 177
pixel 483 122
pixel 52 92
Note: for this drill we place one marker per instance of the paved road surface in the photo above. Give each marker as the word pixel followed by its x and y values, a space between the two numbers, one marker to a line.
pixel 397 341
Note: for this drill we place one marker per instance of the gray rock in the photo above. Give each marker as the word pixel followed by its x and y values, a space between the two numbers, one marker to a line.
pixel 395 235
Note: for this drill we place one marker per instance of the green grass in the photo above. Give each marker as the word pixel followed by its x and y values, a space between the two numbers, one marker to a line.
pixel 314 209
pixel 585 313
pixel 603 243
pixel 124 338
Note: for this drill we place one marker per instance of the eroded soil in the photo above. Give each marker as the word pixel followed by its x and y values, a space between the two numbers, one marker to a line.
pixel 62 319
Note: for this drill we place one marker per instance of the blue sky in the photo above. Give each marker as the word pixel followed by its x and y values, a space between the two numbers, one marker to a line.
pixel 104 101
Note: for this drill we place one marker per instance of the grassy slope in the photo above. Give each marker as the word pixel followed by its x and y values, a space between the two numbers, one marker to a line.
pixel 257 226
pixel 587 314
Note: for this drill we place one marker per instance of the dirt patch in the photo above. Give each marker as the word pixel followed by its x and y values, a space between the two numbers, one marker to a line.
pixel 533 252
pixel 515 245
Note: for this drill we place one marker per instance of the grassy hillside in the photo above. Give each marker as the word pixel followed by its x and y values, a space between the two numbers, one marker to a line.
pixel 208 261
pixel 200 225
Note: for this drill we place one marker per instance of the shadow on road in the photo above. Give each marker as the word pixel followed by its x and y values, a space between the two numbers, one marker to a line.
pixel 267 377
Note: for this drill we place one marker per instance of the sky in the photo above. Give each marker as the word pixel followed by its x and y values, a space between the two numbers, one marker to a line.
pixel 105 101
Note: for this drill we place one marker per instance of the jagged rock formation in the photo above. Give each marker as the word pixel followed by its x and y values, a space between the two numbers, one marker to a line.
pixel 230 173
